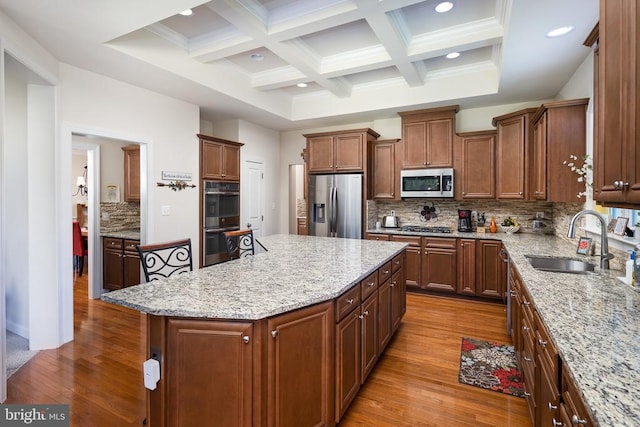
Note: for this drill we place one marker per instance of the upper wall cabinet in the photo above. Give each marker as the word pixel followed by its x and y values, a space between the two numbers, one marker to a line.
pixel 559 131
pixel 475 165
pixel 427 136
pixel 617 109
pixel 219 159
pixel 384 170
pixel 340 151
pixel 131 173
pixel 513 145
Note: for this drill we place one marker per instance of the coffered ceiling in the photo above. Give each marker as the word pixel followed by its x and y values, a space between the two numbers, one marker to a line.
pixel 359 59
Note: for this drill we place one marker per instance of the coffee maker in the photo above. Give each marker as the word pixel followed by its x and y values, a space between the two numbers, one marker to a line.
pixel 464 220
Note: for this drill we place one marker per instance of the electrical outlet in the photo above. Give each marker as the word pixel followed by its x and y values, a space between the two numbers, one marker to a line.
pixel 165 210
pixel 539 215
pixel 393 213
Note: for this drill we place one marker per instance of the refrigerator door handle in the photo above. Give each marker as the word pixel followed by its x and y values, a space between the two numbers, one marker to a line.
pixel 334 212
pixel 330 212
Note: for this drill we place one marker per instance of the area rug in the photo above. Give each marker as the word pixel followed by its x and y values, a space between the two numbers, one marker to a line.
pixel 490 365
pixel 18 352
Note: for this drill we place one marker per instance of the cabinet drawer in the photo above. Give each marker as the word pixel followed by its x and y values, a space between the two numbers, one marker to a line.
pixel 396 263
pixel 375 236
pixel 440 242
pixel 130 245
pixel 346 302
pixel 111 243
pixel 384 272
pixel 546 350
pixel 369 285
pixel 412 240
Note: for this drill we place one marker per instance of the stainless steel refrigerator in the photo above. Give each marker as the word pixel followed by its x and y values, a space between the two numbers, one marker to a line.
pixel 335 205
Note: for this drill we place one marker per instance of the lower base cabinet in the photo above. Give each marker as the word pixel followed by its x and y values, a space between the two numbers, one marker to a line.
pixel 120 263
pixel 306 364
pixel 439 265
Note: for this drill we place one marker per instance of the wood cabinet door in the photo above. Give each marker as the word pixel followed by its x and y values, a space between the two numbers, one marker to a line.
pixel 321 156
pixel 439 265
pixel 439 143
pixel 131 268
pixel 467 266
pixel 211 160
pixel 300 366
pixel 414 137
pixel 548 399
pixel 348 361
pixel 230 163
pixel 490 280
pixel 383 175
pixel 539 181
pixel 398 299
pixel 511 158
pixel 384 315
pixel 369 313
pixel 131 173
pixel 478 177
pixel 209 373
pixel 349 152
pixel 112 269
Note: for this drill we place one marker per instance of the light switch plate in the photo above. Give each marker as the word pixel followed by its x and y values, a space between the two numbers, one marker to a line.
pixel 165 210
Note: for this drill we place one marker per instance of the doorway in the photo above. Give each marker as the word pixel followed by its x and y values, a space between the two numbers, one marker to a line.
pixel 252 210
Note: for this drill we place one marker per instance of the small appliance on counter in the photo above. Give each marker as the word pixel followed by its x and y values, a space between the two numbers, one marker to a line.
pixel 390 221
pixel 464 220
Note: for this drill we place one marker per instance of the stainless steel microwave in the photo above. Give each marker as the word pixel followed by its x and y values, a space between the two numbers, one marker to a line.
pixel 426 183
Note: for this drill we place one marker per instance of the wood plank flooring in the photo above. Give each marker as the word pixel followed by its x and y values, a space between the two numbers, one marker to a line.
pixel 414 384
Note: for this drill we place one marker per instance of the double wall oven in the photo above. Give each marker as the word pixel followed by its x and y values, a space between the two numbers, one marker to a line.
pixel 221 212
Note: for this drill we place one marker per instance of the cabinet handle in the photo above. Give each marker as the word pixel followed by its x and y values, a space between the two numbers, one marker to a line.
pixel 371 284
pixel 577 421
pixel 542 343
pixel 513 293
pixel 527 359
pixel 385 272
pixel 361 317
pixel 527 303
pixel 464 192
pixel 274 333
pixel 366 313
pixel 525 328
pixel 392 284
pixel 350 301
pixel 526 394
pixel 552 407
pixel 393 194
pixel 557 423
pixel 245 339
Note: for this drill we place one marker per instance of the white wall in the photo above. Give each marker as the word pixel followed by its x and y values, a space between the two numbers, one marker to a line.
pixel 16 275
pixel 111 166
pixel 168 124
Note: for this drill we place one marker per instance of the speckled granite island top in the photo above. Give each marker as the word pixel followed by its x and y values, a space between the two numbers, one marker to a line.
pixel 297 271
pixel 594 319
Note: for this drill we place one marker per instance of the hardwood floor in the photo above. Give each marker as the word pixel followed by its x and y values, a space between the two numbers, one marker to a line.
pixel 414 384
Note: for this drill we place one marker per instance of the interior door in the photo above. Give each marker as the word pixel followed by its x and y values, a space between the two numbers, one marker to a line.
pixel 252 206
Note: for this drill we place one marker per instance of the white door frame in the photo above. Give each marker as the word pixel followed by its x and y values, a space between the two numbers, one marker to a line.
pixel 247 194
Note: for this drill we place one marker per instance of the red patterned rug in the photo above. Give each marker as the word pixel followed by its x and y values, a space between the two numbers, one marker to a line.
pixel 490 365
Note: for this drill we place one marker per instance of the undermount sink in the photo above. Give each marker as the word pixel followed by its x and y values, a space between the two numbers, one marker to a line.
pixel 560 264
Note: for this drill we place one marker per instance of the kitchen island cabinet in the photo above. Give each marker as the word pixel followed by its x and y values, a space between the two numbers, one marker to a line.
pixel 273 319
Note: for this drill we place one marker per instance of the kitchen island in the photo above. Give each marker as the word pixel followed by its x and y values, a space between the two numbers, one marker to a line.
pixel 259 340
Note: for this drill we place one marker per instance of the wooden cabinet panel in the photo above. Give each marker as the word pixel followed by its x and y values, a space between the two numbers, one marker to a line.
pixel 539 181
pixel 513 141
pixel 398 299
pixel 375 236
pixel 349 152
pixel 219 159
pixel 572 404
pixel 194 394
pixel 439 265
pixel 383 172
pixel 348 361
pixel 384 315
pixel 477 172
pixel 131 173
pixel 321 157
pixel 112 269
pixel 427 137
pixel 120 263
pixel 467 266
pixel 343 151
pixel 490 279
pixel 300 384
pixel 369 335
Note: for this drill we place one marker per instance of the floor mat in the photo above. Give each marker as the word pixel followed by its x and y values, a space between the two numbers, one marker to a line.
pixel 18 352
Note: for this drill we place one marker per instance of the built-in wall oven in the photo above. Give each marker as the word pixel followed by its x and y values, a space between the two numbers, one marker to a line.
pixel 221 212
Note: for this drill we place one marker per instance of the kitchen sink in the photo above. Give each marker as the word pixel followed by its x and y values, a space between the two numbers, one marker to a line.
pixel 560 264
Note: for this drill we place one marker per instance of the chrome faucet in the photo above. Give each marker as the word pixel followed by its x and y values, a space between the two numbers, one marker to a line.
pixel 605 256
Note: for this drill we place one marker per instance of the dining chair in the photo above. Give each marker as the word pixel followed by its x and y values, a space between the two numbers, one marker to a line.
pixel 239 243
pixel 161 260
pixel 80 248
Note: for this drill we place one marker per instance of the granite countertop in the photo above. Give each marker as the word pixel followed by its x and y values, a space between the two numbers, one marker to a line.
pixel 594 319
pixel 297 271
pixel 131 234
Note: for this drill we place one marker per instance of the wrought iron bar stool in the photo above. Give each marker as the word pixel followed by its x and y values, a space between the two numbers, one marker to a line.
pixel 165 259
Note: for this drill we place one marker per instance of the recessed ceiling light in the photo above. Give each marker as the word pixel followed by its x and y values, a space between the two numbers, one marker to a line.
pixel 561 31
pixel 302 85
pixel 187 12
pixel 452 55
pixel 444 6
pixel 256 57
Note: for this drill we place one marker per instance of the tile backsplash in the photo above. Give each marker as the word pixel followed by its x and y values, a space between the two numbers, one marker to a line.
pixel 119 216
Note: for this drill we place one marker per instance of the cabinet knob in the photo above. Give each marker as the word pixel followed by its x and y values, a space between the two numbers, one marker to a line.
pixel 525 328
pixel 577 421
pixel 393 194
pixel 527 359
pixel 526 394
pixel 464 192
pixel 527 303
pixel 385 272
pixel 552 407
pixel 350 301
pixel 542 343
pixel 361 317
pixel 245 339
pixel 371 284
pixel 274 333
pixel 520 193
pixel 392 284
pixel 366 313
pixel 557 423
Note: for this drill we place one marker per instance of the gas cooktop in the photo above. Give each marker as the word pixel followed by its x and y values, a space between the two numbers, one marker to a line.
pixel 422 229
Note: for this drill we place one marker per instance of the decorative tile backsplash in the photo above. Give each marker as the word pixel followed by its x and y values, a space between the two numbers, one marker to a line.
pixel 119 216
